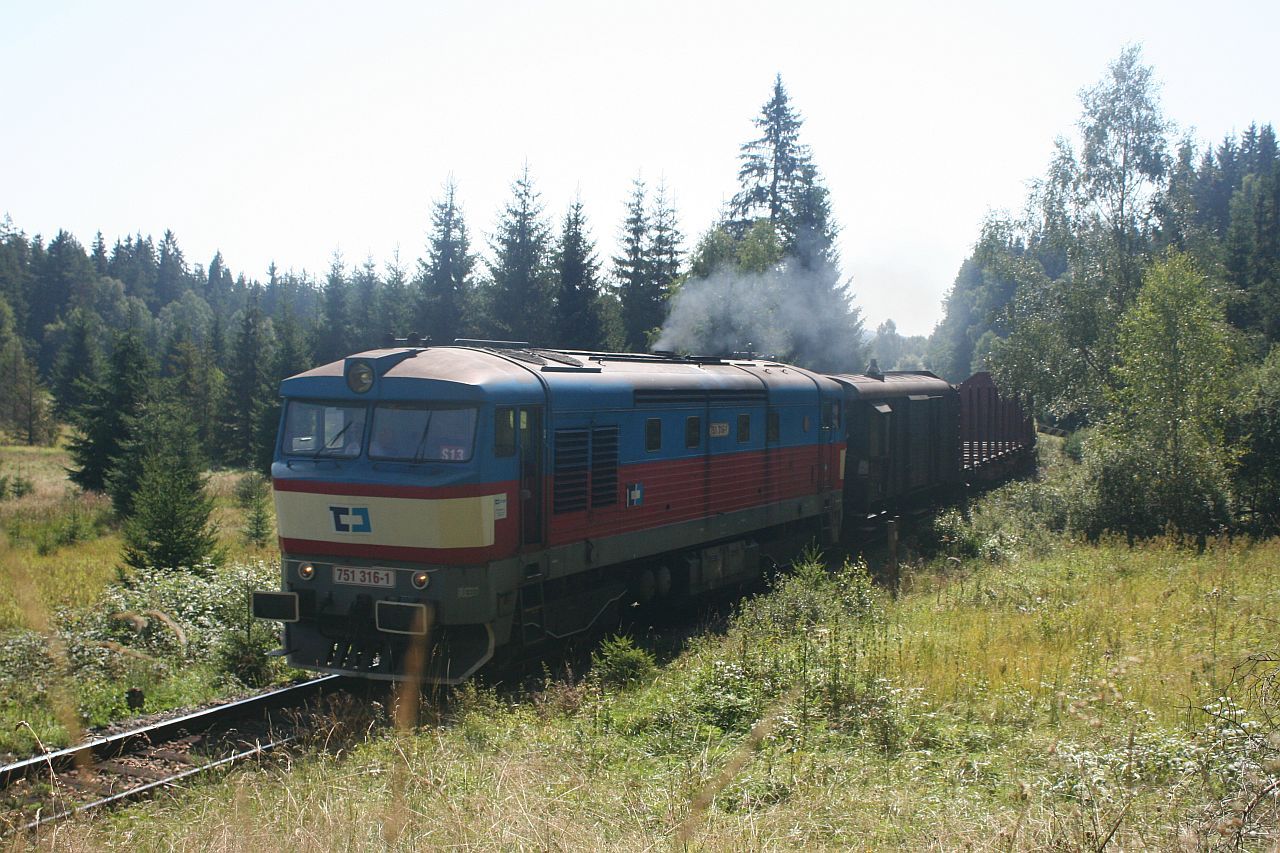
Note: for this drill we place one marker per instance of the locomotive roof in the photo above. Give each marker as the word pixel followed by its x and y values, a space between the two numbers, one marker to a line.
pixel 893 383
pixel 479 372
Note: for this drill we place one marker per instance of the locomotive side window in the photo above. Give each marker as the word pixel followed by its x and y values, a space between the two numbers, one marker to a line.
pixel 653 434
pixel 692 431
pixel 504 431
pixel 744 429
pixel 831 415
pixel 772 428
pixel 324 429
pixel 406 433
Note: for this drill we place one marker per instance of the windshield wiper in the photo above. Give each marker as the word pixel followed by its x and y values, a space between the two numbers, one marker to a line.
pixel 333 442
pixel 422 441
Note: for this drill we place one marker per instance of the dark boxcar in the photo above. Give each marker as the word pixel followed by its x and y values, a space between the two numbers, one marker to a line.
pixel 902 438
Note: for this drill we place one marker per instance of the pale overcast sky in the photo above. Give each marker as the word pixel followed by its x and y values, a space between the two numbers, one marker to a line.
pixel 284 131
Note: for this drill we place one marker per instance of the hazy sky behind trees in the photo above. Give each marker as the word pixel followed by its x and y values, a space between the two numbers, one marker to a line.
pixel 285 131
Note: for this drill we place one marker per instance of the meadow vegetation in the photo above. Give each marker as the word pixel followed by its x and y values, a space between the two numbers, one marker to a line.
pixel 1022 690
pixel 78 629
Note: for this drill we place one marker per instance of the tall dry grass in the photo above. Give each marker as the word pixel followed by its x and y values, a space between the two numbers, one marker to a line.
pixel 1056 703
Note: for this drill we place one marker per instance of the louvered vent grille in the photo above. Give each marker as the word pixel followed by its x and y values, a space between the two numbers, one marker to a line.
pixel 677 396
pixel 570 488
pixel 604 466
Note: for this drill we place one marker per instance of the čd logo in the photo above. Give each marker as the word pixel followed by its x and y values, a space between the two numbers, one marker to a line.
pixel 351 519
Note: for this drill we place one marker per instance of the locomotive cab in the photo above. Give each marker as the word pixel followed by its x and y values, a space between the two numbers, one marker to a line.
pixel 386 508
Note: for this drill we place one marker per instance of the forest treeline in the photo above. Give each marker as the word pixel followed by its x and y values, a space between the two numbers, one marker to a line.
pixel 1137 297
pixel 159 363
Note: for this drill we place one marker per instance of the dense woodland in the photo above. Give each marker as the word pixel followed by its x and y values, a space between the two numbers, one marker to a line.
pixel 1136 297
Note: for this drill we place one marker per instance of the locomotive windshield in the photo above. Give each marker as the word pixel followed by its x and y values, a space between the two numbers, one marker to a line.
pixel 408 433
pixel 324 429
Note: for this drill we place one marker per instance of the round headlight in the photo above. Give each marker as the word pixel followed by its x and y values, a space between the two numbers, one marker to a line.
pixel 360 377
pixel 421 579
pixel 306 571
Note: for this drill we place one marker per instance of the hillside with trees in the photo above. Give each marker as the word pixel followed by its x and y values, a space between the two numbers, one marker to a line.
pixel 1138 298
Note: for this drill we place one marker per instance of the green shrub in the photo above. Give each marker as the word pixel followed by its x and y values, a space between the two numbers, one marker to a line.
pixel 15 486
pixel 1073 446
pixel 243 655
pixel 20 486
pixel 253 496
pixel 618 662
pixel 1141 492
pixel 1255 429
pixel 49 528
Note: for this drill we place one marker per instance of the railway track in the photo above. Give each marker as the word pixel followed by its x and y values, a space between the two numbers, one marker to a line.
pixel 139 762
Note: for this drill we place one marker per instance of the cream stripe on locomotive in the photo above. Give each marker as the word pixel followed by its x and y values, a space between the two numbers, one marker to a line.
pixel 399 522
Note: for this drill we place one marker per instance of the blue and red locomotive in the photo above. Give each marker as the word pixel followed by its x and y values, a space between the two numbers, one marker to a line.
pixel 439 504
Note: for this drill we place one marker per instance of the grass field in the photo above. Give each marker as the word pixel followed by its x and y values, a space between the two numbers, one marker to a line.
pixel 1080 699
pixel 1043 694
pixel 67 653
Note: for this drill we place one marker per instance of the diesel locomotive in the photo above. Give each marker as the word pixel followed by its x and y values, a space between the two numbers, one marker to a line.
pixel 439 505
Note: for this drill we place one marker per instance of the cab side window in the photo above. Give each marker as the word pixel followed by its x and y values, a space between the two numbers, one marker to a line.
pixel 653 434
pixel 504 431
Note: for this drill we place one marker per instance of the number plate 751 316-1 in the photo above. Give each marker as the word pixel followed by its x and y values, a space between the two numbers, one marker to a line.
pixel 361 576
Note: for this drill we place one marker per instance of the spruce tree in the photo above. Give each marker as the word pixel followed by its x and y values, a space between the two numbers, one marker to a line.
pixel 292 355
pixel 25 409
pixel 365 331
pixel 218 285
pixel 99 254
pixel 772 173
pixel 333 335
pixel 444 284
pixel 105 421
pixel 253 495
pixel 201 387
pixel 18 259
pixel 248 381
pixel 170 525
pixel 578 292
pixel 632 269
pixel 171 271
pixel 521 289
pixel 66 277
pixel 394 313
pixel 664 252
pixel 78 363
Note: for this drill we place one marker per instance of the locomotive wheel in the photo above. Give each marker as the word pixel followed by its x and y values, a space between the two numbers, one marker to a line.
pixel 646 585
pixel 663 580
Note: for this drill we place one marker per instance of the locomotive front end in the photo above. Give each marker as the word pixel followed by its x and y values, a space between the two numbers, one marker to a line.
pixel 394 523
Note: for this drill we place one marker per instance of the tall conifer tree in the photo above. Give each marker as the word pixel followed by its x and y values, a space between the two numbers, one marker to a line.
pixel 78 363
pixel 444 277
pixel 170 524
pixel 104 422
pixel 333 335
pixel 632 270
pixel 248 380
pixel 394 312
pixel 521 290
pixel 578 287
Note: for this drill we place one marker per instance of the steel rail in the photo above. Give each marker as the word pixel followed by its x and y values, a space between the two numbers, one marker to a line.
pixel 113 745
pixel 147 787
